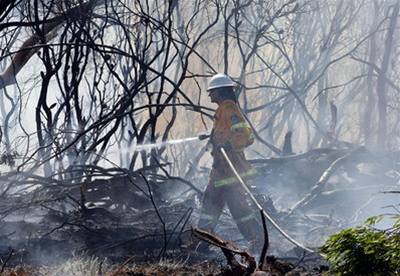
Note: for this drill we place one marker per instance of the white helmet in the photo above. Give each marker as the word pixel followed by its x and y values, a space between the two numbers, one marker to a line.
pixel 220 80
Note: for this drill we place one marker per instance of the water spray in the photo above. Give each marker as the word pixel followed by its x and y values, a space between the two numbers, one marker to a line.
pixel 165 143
pixel 169 142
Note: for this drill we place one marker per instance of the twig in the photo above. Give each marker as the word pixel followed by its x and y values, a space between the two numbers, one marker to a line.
pixel 162 252
pixel 76 201
pixel 301 259
pixel 291 158
pixel 119 270
pixel 183 226
pixel 188 183
pixel 188 211
pixel 266 242
pixel 391 192
pixel 7 260
pixel 55 229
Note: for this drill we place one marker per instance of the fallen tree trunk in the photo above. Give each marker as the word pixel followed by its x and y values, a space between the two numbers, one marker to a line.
pixel 319 186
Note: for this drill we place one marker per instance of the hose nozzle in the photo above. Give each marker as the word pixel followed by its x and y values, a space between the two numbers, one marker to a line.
pixel 204 136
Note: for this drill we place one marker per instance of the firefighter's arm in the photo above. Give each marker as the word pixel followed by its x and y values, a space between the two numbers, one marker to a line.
pixel 241 134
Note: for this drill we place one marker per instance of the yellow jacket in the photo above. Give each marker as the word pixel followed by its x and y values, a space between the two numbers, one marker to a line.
pixel 233 132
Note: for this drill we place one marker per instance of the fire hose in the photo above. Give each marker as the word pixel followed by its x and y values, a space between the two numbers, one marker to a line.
pixel 254 200
pixel 243 185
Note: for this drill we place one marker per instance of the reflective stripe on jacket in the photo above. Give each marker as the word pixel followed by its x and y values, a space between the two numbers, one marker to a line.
pixel 230 127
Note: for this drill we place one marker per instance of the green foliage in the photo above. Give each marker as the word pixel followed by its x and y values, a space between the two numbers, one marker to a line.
pixel 364 250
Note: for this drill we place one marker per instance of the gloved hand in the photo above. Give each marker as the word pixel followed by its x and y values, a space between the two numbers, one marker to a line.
pixel 227 146
pixel 204 136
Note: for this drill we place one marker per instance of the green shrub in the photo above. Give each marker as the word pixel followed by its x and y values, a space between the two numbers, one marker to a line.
pixel 365 250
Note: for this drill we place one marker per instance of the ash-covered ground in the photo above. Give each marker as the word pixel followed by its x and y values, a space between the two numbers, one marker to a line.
pixel 129 220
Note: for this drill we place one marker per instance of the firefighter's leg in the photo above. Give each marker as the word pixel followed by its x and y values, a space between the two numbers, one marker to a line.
pixel 213 203
pixel 212 206
pixel 246 217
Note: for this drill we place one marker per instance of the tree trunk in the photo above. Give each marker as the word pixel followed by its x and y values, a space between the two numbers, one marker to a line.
pixel 381 85
pixel 369 109
pixel 322 112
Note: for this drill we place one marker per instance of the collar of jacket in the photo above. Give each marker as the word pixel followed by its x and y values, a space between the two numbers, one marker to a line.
pixel 224 104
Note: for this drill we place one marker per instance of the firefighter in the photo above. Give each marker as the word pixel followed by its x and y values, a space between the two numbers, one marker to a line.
pixel 231 132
